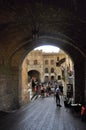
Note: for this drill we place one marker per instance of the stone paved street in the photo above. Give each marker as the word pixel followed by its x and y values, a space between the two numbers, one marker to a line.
pixel 42 114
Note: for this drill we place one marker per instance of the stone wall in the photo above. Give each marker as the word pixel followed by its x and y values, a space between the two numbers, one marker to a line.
pixel 85 79
pixel 8 91
pixel 24 91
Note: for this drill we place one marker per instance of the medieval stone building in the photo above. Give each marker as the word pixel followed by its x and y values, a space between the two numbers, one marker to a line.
pixel 48 67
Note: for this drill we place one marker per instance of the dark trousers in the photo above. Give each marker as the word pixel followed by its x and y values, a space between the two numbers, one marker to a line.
pixel 57 99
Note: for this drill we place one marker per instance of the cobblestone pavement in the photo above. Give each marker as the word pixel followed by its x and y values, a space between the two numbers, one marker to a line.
pixel 42 114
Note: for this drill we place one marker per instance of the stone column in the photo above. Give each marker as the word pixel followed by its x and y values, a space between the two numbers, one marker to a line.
pixel 24 94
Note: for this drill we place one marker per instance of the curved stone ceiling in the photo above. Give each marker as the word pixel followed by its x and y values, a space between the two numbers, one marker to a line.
pixel 18 20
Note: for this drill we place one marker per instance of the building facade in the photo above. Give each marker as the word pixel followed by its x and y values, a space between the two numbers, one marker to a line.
pixel 50 67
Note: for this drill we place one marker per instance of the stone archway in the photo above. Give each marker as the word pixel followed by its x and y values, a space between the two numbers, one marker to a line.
pixel 34 73
pixel 18 56
pixel 78 62
pixel 24 96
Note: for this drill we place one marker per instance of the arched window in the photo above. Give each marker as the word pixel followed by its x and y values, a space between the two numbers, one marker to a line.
pixel 59 77
pixel 52 77
pixel 46 79
pixel 52 70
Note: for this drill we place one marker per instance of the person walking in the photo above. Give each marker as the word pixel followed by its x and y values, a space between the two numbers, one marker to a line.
pixel 57 94
pixel 42 90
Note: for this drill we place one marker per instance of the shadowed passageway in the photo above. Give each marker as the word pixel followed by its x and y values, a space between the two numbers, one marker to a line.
pixel 27 24
pixel 42 114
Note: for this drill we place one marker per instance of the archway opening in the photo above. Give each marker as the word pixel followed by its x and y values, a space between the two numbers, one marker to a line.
pixel 47 67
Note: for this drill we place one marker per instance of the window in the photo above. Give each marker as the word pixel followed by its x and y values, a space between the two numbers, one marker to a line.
pixel 59 77
pixel 52 77
pixel 57 58
pixel 46 62
pixel 46 79
pixel 46 70
pixel 52 70
pixel 52 62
